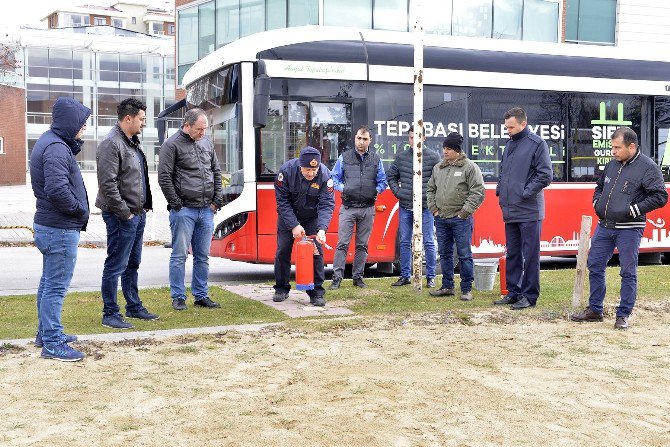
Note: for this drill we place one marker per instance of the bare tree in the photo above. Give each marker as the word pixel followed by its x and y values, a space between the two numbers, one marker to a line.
pixel 8 63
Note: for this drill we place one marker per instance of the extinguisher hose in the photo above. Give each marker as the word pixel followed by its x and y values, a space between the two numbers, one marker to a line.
pixel 324 244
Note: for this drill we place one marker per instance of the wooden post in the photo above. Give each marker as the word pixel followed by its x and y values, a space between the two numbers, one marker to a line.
pixel 581 270
pixel 417 183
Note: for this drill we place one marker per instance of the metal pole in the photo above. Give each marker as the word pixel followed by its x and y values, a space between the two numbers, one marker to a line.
pixel 417 186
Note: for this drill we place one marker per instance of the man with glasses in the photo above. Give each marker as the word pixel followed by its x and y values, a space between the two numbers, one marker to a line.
pixel 359 175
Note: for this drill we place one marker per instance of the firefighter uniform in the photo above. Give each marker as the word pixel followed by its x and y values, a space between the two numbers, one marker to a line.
pixel 309 203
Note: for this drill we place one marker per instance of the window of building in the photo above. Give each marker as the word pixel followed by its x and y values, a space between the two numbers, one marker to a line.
pixel 72 20
pixel 188 35
pixel 435 23
pixel 206 29
pixel 590 21
pixel 156 28
pixel 303 12
pixel 507 19
pixel 117 23
pixel 276 14
pixel 540 21
pixel 252 17
pixel 472 18
pixel 99 20
pixel 133 20
pixel 390 15
pixel 227 21
pixel 355 13
pixel 171 29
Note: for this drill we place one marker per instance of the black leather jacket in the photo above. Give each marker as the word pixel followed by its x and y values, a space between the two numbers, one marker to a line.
pixel 189 173
pixel 123 177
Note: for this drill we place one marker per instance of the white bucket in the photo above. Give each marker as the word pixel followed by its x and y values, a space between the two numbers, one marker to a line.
pixel 485 273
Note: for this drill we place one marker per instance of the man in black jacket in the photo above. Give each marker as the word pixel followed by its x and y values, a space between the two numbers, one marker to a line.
pixel 400 180
pixel 124 197
pixel 190 178
pixel 525 170
pixel 631 186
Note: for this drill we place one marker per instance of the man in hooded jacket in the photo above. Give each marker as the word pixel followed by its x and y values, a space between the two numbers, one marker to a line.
pixel 61 213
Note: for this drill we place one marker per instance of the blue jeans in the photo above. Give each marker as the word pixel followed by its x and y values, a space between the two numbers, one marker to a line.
pixel 194 227
pixel 522 271
pixel 59 256
pixel 602 248
pixel 124 254
pixel 458 231
pixel 405 226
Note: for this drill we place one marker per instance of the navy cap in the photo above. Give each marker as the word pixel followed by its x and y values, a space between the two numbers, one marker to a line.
pixel 310 157
pixel 453 141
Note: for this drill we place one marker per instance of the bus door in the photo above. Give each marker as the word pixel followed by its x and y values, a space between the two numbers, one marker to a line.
pixel 292 125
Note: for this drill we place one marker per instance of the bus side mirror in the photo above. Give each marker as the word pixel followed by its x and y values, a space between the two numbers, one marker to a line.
pixel 261 100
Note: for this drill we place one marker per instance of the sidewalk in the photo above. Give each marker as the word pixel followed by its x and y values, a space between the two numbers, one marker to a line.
pixel 18 209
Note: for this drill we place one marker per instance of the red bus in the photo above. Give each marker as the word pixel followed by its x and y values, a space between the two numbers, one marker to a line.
pixel 270 94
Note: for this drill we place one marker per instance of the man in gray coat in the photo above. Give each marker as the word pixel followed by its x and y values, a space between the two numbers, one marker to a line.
pixel 190 178
pixel 525 170
pixel 400 179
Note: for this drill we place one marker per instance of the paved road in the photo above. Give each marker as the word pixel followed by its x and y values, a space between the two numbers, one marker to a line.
pixel 21 268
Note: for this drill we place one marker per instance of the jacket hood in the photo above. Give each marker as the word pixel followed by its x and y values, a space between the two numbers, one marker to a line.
pixel 67 118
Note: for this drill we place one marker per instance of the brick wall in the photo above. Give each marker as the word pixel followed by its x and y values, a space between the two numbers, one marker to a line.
pixel 13 133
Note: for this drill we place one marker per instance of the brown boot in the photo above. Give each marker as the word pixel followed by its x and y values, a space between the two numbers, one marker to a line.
pixel 587 315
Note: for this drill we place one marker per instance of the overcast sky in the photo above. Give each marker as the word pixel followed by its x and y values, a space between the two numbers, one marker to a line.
pixel 32 11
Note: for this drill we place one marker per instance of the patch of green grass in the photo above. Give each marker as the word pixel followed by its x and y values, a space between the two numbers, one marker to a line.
pixel 82 313
pixel 555 298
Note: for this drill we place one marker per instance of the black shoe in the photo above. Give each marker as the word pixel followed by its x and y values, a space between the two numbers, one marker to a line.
pixel 358 282
pixel 335 284
pixel 318 300
pixel 621 323
pixel 441 292
pixel 430 283
pixel 523 303
pixel 179 304
pixel 401 282
pixel 587 316
pixel 142 314
pixel 206 302
pixel 506 300
pixel 278 297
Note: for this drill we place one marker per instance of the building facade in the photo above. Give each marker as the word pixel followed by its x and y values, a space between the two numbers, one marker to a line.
pixel 98 66
pixel 133 15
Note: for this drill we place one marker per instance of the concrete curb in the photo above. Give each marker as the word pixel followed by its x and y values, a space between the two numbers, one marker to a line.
pixel 165 333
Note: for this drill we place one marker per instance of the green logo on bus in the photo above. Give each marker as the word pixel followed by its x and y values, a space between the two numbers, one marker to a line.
pixel 603 117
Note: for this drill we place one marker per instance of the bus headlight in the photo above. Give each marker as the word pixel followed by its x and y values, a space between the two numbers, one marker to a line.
pixel 230 225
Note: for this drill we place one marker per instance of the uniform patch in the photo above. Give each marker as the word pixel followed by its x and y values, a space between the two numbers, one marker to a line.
pixel 329 184
pixel 280 179
pixel 315 185
pixel 314 163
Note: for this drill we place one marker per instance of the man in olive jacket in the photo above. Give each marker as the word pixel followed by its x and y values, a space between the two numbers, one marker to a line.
pixel 400 179
pixel 454 192
pixel 190 178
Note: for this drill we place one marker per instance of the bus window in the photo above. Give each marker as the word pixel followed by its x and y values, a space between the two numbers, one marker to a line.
pixel 224 127
pixel 330 130
pixel 593 118
pixel 662 118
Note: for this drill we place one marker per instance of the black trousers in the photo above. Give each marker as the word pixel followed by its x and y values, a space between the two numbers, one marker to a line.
pixel 285 242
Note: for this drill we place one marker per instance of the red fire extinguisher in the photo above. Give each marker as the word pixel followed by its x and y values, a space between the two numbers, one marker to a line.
pixel 304 264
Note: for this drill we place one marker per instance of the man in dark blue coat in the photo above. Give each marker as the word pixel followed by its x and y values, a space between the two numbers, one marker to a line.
pixel 305 204
pixel 525 170
pixel 61 213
